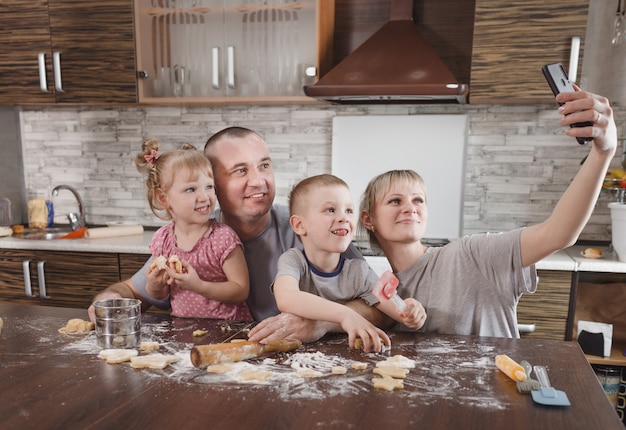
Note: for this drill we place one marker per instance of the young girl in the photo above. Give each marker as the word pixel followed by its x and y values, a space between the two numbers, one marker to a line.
pixel 472 285
pixel 214 280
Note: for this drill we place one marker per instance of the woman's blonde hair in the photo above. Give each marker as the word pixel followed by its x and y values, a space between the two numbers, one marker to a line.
pixel 161 169
pixel 376 189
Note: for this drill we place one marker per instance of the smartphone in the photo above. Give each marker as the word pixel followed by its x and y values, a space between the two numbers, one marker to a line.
pixel 559 83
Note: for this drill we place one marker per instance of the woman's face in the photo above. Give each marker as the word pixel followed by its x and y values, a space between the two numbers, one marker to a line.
pixel 400 214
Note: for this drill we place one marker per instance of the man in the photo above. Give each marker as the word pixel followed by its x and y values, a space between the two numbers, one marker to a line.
pixel 245 187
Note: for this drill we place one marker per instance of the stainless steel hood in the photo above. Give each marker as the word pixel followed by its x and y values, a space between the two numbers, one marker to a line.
pixel 396 64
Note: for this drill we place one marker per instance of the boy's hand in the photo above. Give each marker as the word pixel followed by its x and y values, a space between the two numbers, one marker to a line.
pixel 414 316
pixel 358 327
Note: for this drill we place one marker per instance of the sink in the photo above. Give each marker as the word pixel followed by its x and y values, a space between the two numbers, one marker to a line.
pixel 43 233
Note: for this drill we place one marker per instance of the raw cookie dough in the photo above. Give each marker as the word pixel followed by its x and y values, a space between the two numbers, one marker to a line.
pixel 220 368
pixel 338 370
pixel 149 346
pixel 387 383
pixel 153 361
pixel 305 372
pixel 77 325
pixel 253 375
pixel 397 361
pixel 115 356
pixel 358 344
pixel 198 333
pixel 359 365
pixel 392 371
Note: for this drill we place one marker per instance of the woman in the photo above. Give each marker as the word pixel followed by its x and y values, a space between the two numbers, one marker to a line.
pixel 472 285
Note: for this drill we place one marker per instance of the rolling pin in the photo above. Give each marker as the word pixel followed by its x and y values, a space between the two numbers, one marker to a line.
pixel 206 355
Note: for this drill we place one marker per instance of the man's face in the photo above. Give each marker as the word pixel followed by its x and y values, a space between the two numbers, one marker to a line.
pixel 244 177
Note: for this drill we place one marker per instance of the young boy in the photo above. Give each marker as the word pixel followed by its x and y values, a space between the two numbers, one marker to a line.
pixel 315 283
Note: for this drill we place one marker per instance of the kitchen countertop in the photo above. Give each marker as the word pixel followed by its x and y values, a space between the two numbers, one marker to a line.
pixel 569 259
pixel 53 380
pixel 136 244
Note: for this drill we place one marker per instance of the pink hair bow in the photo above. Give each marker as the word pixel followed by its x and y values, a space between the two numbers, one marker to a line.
pixel 152 157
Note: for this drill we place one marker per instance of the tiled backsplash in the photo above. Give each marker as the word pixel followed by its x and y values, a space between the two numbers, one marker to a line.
pixel 518 160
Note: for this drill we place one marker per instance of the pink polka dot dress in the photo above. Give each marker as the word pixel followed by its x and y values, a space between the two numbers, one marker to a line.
pixel 207 257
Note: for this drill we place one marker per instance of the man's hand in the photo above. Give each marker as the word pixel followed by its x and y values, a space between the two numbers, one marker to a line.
pixel 283 326
pixel 106 294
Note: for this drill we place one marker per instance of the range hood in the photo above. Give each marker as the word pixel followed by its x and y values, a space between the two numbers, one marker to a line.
pixel 396 64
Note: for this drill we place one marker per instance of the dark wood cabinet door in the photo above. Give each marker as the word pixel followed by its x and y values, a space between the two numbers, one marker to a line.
pixel 512 40
pixel 131 263
pixel 24 34
pixel 96 43
pixel 548 307
pixel 13 283
pixel 72 279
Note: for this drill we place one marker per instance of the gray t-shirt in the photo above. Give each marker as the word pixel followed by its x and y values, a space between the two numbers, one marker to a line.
pixel 471 286
pixel 262 253
pixel 354 279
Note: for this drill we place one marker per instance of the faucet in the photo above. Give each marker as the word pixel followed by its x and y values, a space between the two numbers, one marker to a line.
pixel 76 220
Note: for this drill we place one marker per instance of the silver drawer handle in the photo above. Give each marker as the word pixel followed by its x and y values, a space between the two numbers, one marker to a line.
pixel 43 82
pixel 56 66
pixel 42 280
pixel 27 287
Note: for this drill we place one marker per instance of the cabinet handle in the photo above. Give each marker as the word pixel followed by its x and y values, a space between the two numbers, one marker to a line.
pixel 56 67
pixel 215 69
pixel 573 59
pixel 43 82
pixel 230 59
pixel 42 280
pixel 27 287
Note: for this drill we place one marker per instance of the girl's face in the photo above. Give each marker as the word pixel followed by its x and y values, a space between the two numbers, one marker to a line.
pixel 190 200
pixel 400 214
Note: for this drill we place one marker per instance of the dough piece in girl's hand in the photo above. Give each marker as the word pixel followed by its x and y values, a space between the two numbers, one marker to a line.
pixel 115 356
pixel 159 263
pixel 153 361
pixel 77 325
pixel 175 263
pixel 388 383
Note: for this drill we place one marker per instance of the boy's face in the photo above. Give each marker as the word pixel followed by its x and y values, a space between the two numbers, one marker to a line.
pixel 328 222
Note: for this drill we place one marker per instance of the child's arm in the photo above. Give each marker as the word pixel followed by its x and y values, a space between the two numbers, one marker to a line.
pixel 414 316
pixel 290 299
pixel 574 208
pixel 234 290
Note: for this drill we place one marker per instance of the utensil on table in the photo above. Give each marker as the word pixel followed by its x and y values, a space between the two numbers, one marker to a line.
pixel 547 395
pixel 206 355
pixel 385 289
pixel 525 387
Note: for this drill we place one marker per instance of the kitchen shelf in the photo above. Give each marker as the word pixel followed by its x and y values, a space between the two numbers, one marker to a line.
pixel 616 358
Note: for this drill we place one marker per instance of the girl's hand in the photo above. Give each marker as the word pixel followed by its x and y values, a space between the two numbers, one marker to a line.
pixel 356 326
pixel 189 279
pixel 414 316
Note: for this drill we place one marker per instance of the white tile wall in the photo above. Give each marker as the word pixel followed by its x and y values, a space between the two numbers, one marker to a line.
pixel 518 160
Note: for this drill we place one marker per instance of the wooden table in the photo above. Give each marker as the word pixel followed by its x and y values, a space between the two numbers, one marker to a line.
pixel 56 381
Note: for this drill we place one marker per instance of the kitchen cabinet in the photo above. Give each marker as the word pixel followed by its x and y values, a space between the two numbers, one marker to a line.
pixel 548 307
pixel 67 51
pixel 512 40
pixel 54 278
pixel 215 51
